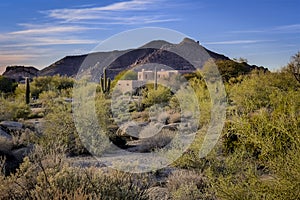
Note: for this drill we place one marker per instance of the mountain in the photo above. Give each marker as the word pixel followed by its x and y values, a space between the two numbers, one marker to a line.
pixel 182 56
pixel 18 73
pixel 159 51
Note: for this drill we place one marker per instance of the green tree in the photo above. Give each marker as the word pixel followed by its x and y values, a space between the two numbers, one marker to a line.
pixel 129 75
pixel 50 83
pixel 294 66
pixel 7 85
pixel 229 69
pixel 160 96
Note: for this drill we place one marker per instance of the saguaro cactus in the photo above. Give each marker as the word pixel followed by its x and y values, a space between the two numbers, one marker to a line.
pixel 155 78
pixel 105 82
pixel 27 92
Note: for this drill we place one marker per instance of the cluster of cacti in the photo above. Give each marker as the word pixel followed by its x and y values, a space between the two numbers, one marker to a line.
pixel 105 82
pixel 27 92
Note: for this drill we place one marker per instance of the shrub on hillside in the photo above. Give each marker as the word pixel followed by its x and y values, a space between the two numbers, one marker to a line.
pixel 7 85
pixel 13 110
pixel 47 175
pixel 184 184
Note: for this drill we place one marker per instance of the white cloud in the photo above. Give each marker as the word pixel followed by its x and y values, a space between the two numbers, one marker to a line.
pixel 51 41
pixel 126 12
pixel 75 14
pixel 229 42
pixel 290 28
pixel 61 27
pixel 50 30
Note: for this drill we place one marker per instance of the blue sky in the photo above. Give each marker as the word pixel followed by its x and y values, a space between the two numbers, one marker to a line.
pixel 38 33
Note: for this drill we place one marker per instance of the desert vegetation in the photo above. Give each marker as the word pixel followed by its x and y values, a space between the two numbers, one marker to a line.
pixel 256 157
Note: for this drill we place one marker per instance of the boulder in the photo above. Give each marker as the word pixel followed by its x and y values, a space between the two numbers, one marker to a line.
pixel 11 125
pixel 20 153
pixel 6 142
pixel 5 135
pixel 131 129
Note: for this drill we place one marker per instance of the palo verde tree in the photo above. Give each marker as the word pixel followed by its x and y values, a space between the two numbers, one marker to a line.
pixel 294 66
pixel 7 85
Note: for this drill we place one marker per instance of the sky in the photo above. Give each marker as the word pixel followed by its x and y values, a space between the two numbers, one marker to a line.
pixel 38 33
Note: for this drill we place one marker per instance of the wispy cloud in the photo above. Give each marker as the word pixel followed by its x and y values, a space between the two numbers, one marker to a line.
pixel 75 14
pixel 74 26
pixel 233 42
pixel 290 28
pixel 126 12
pixel 51 30
pixel 51 41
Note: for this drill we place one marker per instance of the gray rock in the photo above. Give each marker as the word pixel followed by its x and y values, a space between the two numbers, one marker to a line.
pixel 19 154
pixel 6 143
pixel 130 129
pixel 5 135
pixel 12 125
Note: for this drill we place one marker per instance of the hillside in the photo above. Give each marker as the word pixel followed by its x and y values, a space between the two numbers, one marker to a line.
pixel 152 52
pixel 158 51
pixel 17 73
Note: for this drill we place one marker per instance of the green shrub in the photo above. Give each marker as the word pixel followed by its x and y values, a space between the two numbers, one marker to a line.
pixel 185 184
pixel 13 110
pixel 56 84
pixel 160 96
pixel 7 85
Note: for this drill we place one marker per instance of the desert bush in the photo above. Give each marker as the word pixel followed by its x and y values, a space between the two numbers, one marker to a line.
pixel 56 84
pixel 48 175
pixel 239 178
pixel 59 130
pixel 7 85
pixel 232 69
pixel 13 110
pixel 184 184
pixel 160 96
pixel 256 89
pixel 267 132
pixel 204 100
pixel 260 141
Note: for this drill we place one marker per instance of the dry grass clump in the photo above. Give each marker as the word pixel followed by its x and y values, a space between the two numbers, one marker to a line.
pixel 47 175
pixel 184 184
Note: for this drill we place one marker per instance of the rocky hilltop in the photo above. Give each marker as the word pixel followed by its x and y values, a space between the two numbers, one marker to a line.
pixel 18 73
pixel 117 61
pixel 158 52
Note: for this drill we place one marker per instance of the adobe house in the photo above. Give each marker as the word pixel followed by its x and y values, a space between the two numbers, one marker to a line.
pixel 143 77
pixel 129 85
pixel 150 75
